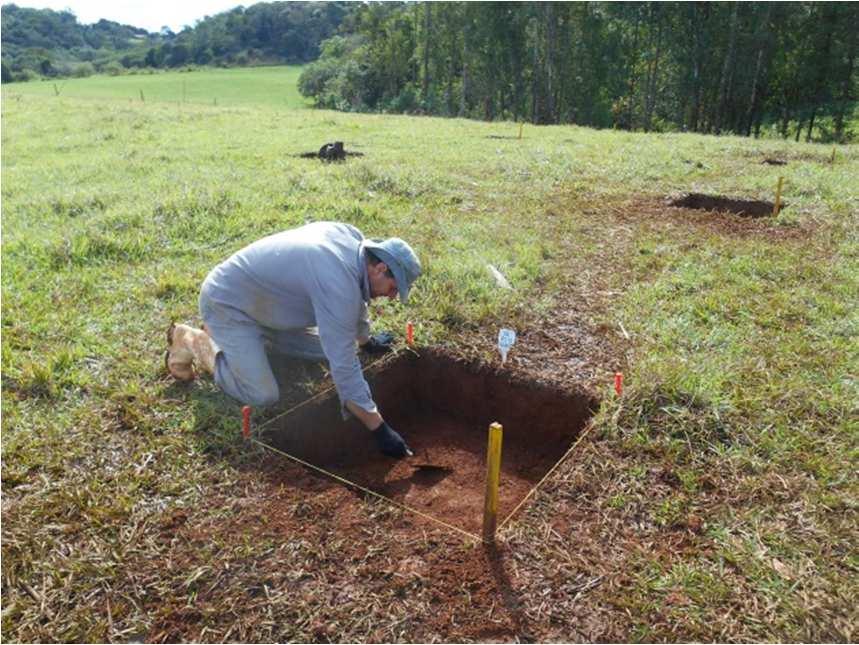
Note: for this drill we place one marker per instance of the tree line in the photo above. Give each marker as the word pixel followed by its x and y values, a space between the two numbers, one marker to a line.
pixel 46 43
pixel 712 67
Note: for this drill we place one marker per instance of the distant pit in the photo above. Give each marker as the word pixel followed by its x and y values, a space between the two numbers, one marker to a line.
pixel 715 203
pixel 442 408
pixel 771 161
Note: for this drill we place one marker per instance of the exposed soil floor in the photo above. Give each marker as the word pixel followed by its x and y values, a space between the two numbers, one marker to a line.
pixel 332 550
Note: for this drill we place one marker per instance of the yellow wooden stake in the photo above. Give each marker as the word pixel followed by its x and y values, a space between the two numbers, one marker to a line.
pixel 493 476
pixel 777 205
pixel 521 125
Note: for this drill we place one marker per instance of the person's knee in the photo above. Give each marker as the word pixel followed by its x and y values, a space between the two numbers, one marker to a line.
pixel 258 392
pixel 262 396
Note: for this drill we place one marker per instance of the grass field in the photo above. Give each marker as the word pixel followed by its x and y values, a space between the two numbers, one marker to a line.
pixel 275 86
pixel 715 500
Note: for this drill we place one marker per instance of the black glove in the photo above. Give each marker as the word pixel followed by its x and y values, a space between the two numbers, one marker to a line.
pixel 379 343
pixel 391 443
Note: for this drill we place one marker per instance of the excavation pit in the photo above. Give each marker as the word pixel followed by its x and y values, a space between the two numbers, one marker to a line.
pixel 718 204
pixel 443 409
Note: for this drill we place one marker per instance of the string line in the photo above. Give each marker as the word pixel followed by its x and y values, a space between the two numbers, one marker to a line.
pixel 545 477
pixel 323 392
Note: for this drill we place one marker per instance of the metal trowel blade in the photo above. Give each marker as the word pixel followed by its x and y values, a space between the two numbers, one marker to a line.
pixel 432 468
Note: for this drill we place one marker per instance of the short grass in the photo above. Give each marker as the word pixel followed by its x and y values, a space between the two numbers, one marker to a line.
pixel 276 86
pixel 738 424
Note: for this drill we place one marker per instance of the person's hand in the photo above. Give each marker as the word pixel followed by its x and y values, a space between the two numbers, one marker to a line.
pixel 379 343
pixel 390 442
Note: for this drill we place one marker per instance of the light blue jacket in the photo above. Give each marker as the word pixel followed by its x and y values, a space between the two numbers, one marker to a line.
pixel 315 275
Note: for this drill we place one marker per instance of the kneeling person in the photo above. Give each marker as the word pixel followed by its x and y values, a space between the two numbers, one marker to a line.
pixel 304 292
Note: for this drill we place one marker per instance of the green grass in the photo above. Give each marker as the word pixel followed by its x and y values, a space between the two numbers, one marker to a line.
pixel 275 86
pixel 739 416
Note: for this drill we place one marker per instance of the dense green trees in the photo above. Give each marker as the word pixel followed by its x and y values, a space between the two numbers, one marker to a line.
pixel 52 43
pixel 698 66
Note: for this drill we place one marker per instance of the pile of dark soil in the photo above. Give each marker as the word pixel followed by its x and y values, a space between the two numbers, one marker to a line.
pixel 331 152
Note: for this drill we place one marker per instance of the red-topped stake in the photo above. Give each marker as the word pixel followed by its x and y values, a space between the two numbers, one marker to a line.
pixel 618 383
pixel 410 333
pixel 246 422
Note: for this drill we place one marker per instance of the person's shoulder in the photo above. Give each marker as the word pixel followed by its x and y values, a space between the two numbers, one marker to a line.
pixel 334 229
pixel 346 229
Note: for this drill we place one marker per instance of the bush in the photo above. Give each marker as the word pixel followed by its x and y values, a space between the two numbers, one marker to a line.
pixel 82 70
pixel 406 101
pixel 316 76
pixel 337 80
pixel 27 75
pixel 113 68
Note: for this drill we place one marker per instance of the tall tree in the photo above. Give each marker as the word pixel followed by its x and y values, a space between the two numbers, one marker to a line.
pixel 727 69
pixel 426 47
pixel 848 77
pixel 762 37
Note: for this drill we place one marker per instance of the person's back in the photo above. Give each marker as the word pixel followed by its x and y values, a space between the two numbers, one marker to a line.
pixel 275 279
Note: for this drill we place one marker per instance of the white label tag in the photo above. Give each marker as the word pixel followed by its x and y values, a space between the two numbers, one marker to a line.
pixel 506 338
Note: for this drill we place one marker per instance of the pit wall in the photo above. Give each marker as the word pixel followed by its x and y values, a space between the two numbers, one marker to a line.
pixel 536 418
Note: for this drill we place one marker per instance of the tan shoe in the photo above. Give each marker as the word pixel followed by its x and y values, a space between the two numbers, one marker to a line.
pixel 204 350
pixel 179 357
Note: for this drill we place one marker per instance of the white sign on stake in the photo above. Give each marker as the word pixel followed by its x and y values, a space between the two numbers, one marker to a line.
pixel 506 338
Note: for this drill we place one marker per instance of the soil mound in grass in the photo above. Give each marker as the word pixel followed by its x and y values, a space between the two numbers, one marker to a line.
pixel 443 409
pixel 331 152
pixel 716 203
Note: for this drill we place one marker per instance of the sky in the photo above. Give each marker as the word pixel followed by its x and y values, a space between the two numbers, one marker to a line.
pixel 149 14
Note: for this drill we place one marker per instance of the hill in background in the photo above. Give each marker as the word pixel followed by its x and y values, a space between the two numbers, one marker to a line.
pixel 46 43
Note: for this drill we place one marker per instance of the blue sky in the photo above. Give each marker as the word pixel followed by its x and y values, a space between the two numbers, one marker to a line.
pixel 149 14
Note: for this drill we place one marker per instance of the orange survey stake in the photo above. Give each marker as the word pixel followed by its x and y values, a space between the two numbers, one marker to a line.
pixel 246 422
pixel 410 333
pixel 618 383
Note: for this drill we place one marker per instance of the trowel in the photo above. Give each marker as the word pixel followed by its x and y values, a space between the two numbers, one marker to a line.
pixel 427 466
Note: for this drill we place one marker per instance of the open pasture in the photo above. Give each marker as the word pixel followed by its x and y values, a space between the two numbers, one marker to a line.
pixel 276 86
pixel 716 499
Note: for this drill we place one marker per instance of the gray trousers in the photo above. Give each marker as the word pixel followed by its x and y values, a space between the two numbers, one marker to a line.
pixel 242 368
